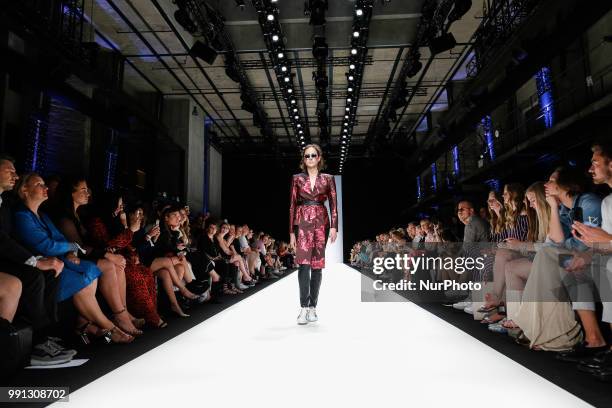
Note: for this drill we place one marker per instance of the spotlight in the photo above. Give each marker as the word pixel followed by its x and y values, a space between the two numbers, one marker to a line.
pixel 275 38
pixel 280 55
pixel 347 109
pixel 359 12
pixel 295 109
pixel 287 79
pixel 356 34
pixel 346 116
pixel 354 51
pixel 461 7
pixel 442 43
pixel 296 117
pixel 289 90
pixel 345 123
pixel 293 101
pixel 270 17
pixel 349 100
pixel 298 125
pixel 319 48
pixel 350 77
pixel 300 132
pixel 345 131
pixel 182 17
pixel 352 66
pixel 204 52
pixel 350 89
pixel 284 68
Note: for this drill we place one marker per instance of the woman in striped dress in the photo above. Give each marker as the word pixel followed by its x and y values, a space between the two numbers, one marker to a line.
pixel 515 229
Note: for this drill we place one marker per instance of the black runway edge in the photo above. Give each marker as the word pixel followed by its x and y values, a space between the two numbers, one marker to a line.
pixel 543 363
pixel 104 358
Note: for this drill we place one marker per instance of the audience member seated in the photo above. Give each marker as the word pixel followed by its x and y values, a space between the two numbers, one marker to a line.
pixel 72 194
pixel 79 278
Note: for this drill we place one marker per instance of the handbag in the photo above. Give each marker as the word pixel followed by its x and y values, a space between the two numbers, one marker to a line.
pixel 15 348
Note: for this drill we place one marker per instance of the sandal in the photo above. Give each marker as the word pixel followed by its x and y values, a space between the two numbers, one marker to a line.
pixel 132 332
pixel 509 324
pixel 162 324
pixel 139 323
pixel 491 303
pixel 115 335
pixel 82 333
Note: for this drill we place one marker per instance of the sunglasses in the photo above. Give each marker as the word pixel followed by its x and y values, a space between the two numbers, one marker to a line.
pixel 311 156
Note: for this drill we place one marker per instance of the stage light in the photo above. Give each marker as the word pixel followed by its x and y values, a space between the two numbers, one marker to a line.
pixel 280 55
pixel 356 34
pixel 287 79
pixel 347 109
pixel 442 43
pixel 289 90
pixel 296 117
pixel 345 123
pixel 275 38
pixel 352 66
pixel 346 116
pixel 284 68
pixel 345 131
pixel 461 7
pixel 354 51
pixel 300 132
pixel 204 52
pixel 295 109
pixel 350 77
pixel 349 100
pixel 293 101
pixel 350 89
pixel 298 125
pixel 270 17
pixel 359 12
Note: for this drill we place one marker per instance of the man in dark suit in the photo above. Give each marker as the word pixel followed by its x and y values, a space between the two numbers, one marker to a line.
pixel 39 277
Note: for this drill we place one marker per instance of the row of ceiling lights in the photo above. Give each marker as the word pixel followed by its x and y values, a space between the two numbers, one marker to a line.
pixel 271 28
pixel 361 21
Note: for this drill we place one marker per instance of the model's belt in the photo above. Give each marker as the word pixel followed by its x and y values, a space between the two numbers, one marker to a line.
pixel 310 202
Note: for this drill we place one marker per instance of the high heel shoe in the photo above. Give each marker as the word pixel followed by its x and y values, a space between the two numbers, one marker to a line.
pixel 115 335
pixel 132 332
pixel 139 323
pixel 81 332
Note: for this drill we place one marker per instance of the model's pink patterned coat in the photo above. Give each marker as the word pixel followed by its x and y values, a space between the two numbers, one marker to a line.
pixel 311 223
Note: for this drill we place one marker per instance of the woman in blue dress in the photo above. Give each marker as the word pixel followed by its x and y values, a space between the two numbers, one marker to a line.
pixel 79 278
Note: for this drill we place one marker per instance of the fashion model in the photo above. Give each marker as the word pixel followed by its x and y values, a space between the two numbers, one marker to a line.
pixel 310 226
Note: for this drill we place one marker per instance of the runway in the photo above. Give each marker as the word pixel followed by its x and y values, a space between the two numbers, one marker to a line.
pixel 359 354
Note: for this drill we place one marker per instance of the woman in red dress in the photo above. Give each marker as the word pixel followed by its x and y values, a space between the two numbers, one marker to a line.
pixel 310 226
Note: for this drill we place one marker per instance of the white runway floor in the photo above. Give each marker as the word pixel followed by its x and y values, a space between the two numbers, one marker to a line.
pixel 358 355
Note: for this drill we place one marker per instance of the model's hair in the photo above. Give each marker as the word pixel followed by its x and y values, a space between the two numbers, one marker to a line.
pixel 539 219
pixel 516 205
pixel 22 182
pixel 572 180
pixel 497 222
pixel 603 148
pixel 321 164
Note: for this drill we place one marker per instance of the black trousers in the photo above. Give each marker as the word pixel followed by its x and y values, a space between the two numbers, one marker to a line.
pixel 38 304
pixel 310 282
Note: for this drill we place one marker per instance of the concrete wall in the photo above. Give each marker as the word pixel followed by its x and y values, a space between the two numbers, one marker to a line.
pixel 187 130
pixel 214 187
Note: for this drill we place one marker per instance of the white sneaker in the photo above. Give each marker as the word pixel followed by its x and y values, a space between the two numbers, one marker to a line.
pixel 301 319
pixel 469 310
pixel 241 286
pixel 461 305
pixel 311 315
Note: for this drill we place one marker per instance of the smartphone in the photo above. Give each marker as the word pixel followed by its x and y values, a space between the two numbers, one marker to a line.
pixel 577 214
pixel 157 223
